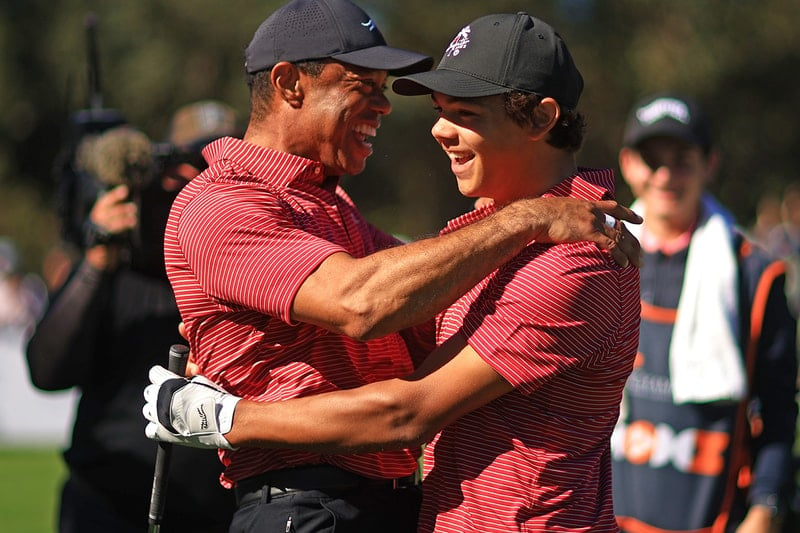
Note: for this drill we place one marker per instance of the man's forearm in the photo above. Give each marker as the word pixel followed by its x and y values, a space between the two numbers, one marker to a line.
pixel 357 421
pixel 57 358
pixel 397 288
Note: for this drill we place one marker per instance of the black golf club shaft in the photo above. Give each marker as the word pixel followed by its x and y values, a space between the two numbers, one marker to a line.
pixel 178 357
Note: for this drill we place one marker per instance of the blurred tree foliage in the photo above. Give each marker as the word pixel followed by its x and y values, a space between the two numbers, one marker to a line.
pixel 739 57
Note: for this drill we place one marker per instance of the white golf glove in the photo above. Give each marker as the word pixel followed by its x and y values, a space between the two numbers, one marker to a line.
pixel 192 412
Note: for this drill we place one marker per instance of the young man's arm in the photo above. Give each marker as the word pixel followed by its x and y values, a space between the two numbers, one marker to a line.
pixel 393 289
pixel 392 414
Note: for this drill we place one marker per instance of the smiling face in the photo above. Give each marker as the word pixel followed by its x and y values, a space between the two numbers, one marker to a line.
pixel 489 153
pixel 669 176
pixel 342 109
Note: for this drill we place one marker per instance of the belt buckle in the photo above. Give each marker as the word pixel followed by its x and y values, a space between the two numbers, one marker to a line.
pixel 403 482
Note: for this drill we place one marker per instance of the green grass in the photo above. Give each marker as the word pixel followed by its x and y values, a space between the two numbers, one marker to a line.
pixel 29 487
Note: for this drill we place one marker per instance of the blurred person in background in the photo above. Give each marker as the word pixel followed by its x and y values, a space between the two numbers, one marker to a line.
pixel 113 318
pixel 768 217
pixel 23 297
pixel 783 241
pixel 45 418
pixel 704 441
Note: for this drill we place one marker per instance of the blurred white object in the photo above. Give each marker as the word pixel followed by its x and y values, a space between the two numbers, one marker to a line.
pixel 28 416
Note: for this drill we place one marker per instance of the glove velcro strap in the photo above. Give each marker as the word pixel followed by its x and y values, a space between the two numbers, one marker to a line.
pixel 164 402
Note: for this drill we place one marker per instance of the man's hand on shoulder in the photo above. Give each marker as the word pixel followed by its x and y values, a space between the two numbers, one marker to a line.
pixel 560 219
pixel 191 412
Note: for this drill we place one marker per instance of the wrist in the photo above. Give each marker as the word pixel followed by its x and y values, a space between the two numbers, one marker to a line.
pixel 95 235
pixel 100 257
pixel 524 217
pixel 241 424
pixel 227 410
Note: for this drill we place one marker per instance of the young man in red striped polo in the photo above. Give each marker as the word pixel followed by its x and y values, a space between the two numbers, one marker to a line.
pixel 518 401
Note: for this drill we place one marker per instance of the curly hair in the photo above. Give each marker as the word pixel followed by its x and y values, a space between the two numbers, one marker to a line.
pixel 567 134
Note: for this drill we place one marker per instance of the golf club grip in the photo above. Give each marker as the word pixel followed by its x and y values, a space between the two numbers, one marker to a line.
pixel 178 357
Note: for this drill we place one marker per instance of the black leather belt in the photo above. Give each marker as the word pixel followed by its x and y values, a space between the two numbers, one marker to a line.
pixel 313 477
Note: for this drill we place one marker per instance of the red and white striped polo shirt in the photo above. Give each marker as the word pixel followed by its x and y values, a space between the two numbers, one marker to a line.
pixel 240 240
pixel 560 323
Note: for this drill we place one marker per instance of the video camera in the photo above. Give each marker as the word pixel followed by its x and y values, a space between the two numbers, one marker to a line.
pixel 121 155
pixel 103 151
pixel 77 191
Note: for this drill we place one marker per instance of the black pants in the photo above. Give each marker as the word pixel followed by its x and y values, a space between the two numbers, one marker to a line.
pixel 84 510
pixel 363 509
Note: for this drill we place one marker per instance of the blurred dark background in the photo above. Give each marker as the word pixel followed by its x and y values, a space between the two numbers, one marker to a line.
pixel 740 58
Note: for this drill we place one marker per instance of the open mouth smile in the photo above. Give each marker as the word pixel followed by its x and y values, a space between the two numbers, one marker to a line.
pixel 460 158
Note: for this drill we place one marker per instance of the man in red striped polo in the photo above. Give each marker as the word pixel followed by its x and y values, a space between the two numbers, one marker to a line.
pixel 522 392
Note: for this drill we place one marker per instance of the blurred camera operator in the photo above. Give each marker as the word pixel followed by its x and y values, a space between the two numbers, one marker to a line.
pixel 113 319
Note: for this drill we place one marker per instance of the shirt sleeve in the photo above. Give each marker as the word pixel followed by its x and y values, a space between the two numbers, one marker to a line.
pixel 551 309
pixel 62 347
pixel 249 250
pixel 775 390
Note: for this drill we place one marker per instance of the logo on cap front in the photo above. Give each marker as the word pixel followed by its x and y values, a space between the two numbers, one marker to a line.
pixel 370 25
pixel 664 107
pixel 459 42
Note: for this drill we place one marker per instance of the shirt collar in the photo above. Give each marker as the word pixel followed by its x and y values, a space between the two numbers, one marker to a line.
pixel 650 243
pixel 276 167
pixel 587 183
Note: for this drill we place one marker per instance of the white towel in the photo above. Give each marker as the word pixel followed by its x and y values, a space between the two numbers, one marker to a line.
pixel 705 358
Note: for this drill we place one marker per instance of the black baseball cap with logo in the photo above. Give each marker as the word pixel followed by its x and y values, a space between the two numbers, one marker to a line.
pixel 318 29
pixel 668 115
pixel 499 53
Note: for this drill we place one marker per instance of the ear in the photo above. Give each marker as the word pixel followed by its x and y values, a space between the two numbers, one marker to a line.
pixel 626 155
pixel 712 164
pixel 285 78
pixel 545 117
pixel 629 161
